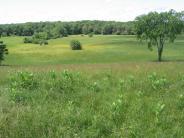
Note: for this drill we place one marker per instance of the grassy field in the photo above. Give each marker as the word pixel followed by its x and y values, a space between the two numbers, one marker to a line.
pixel 99 49
pixel 112 88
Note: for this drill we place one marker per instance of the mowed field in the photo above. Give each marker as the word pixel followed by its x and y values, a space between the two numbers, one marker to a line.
pixel 114 87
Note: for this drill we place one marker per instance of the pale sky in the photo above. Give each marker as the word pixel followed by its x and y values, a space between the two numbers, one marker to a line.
pixel 18 11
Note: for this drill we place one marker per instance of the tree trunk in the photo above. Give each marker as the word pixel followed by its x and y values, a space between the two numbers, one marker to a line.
pixel 160 49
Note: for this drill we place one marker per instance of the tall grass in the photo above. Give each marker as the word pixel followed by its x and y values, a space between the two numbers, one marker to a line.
pixel 105 104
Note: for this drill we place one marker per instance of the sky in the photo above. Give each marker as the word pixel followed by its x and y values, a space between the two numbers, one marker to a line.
pixel 19 11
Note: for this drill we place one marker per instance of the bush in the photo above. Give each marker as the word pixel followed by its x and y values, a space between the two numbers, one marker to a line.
pixel 27 40
pixel 35 40
pixel 41 36
pixel 118 33
pixel 90 34
pixel 44 42
pixel 75 45
pixel 3 51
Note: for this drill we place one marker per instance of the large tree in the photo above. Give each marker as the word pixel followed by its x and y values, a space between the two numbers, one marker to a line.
pixel 157 28
pixel 3 51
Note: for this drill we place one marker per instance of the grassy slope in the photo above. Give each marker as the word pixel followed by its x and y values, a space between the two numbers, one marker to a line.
pixel 115 98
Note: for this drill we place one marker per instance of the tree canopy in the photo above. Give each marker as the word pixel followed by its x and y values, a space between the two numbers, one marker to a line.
pixel 62 29
pixel 156 28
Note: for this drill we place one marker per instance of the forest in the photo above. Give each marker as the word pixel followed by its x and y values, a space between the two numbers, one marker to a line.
pixel 61 29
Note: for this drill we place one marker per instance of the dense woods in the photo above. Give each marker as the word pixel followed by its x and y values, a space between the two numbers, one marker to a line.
pixel 62 29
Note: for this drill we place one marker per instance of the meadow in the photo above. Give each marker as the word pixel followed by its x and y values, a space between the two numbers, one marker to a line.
pixel 114 87
pixel 98 49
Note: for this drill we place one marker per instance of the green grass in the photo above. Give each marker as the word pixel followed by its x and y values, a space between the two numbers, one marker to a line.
pixel 112 88
pixel 98 49
pixel 102 104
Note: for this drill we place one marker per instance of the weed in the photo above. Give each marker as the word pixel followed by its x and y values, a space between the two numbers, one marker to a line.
pixel 158 110
pixel 119 108
pixel 24 80
pixel 157 82
pixel 181 102
pixel 95 87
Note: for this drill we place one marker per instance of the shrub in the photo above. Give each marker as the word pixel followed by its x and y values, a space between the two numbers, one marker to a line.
pixel 118 33
pixel 38 38
pixel 3 51
pixel 90 34
pixel 44 42
pixel 75 45
pixel 27 40
pixel 35 41
pixel 41 36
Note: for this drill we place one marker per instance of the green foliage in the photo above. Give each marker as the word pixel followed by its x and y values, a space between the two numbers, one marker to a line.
pixel 27 40
pixel 63 29
pixel 19 97
pixel 119 109
pixel 75 45
pixel 99 49
pixel 95 87
pixel 158 109
pixel 107 29
pixel 37 38
pixel 3 51
pixel 157 82
pixel 24 80
pixel 69 104
pixel 90 35
pixel 181 102
pixel 40 36
pixel 157 28
pixel 43 42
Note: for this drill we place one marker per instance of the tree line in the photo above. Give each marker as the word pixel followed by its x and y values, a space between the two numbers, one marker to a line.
pixel 62 29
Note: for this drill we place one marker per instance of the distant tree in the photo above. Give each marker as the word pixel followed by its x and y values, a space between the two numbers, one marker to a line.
pixel 107 29
pixel 54 33
pixel 1 31
pixel 85 29
pixel 41 36
pixel 156 28
pixel 3 51
pixel 28 29
pixel 62 31
pixel 97 29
